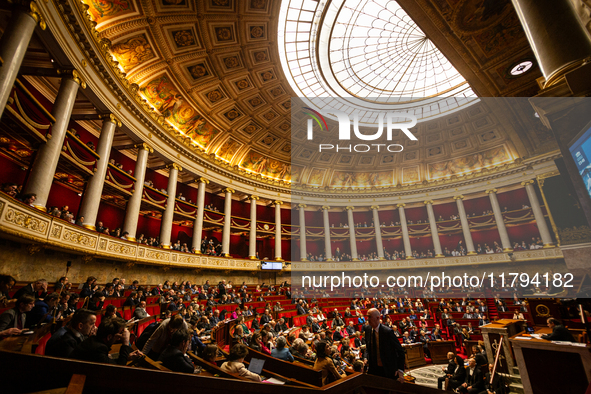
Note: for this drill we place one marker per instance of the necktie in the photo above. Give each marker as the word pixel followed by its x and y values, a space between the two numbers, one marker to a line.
pixel 374 346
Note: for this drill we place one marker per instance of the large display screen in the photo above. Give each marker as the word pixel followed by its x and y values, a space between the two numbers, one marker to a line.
pixel 271 265
pixel 581 152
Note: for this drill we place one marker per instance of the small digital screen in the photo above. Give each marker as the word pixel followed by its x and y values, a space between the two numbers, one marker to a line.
pixel 581 152
pixel 271 265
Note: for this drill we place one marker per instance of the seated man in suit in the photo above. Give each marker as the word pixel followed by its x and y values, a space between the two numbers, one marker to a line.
pixel 266 318
pixel 474 382
pixel 174 356
pixel 449 370
pixel 140 311
pixel 96 348
pixel 310 318
pixel 424 339
pixel 559 332
pixel 478 356
pixel 351 328
pixel 81 326
pixel 281 326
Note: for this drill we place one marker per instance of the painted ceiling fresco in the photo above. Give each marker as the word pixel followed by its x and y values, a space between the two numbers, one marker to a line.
pixel 211 69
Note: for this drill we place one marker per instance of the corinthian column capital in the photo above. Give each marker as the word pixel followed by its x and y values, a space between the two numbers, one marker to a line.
pixel 74 76
pixel 111 118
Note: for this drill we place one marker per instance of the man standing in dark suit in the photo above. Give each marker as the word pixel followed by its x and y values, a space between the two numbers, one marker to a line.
pixel 559 332
pixel 222 288
pixel 474 382
pixel 384 353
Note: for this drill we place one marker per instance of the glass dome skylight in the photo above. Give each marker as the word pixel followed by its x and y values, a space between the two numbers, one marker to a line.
pixel 366 56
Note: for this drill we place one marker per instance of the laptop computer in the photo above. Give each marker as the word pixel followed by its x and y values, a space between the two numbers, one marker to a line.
pixel 256 365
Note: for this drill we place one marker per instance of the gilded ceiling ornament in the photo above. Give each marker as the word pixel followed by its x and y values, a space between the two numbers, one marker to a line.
pixel 224 34
pixel 184 38
pixel 257 31
pixel 133 51
pixel 261 56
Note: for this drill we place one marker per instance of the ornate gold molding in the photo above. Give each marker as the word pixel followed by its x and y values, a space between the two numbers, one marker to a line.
pixel 228 190
pixel 33 12
pixel 428 202
pixel 401 205
pixel 302 206
pixel 202 180
pixel 277 202
pixel 111 118
pixel 253 198
pixel 489 191
pixel 349 208
pixel 374 207
pixel 325 207
pixel 144 146
pixel 175 166
pixel 525 183
pixel 74 75
pixel 460 197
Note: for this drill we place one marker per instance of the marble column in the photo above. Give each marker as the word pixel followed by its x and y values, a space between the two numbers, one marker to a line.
pixel 327 244
pixel 92 196
pixel 434 232
pixel 41 176
pixel 168 216
pixel 538 214
pixel 505 241
pixel 252 238
pixel 227 221
pixel 556 35
pixel 378 230
pixel 278 231
pixel 14 44
pixel 198 223
pixel 465 226
pixel 134 204
pixel 352 240
pixel 303 249
pixel 405 235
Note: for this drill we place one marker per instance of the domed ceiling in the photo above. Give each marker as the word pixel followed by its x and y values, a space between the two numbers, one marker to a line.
pixel 212 70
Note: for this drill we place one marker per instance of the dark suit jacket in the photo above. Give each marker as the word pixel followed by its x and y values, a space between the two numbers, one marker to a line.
pixel 497 384
pixel 64 345
pixel 480 359
pixel 173 359
pixel 476 379
pixel 221 289
pixel 559 333
pixel 93 350
pixel 265 319
pixel 391 351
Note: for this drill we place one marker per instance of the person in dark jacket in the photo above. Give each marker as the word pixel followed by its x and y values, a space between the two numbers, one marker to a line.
pixel 89 287
pixel 43 311
pixel 459 376
pixel 497 385
pixel 81 326
pixel 37 289
pixel 449 370
pixel 14 320
pixel 474 382
pixel 96 348
pixel 174 357
pixel 559 332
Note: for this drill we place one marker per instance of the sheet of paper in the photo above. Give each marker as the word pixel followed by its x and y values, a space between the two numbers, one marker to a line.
pixel 273 381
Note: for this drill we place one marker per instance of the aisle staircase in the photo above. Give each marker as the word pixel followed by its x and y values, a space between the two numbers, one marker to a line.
pixel 493 313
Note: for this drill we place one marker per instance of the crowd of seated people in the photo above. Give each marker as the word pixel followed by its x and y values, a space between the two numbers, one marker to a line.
pixel 331 341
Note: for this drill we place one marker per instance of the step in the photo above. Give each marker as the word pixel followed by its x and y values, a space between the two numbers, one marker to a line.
pixel 516 371
pixel 516 388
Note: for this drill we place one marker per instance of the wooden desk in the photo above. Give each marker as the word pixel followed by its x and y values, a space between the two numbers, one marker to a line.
pixel 548 368
pixel 496 331
pixel 415 355
pixel 439 350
